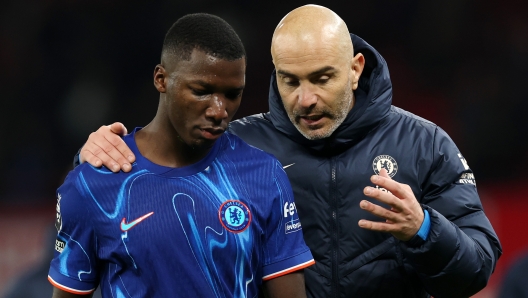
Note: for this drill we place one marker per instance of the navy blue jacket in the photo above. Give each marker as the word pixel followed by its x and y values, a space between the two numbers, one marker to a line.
pixel 515 281
pixel 328 177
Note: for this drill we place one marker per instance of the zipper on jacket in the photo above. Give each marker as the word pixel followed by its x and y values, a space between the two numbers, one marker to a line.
pixel 335 234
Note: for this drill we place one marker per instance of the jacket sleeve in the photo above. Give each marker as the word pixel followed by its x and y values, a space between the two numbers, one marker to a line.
pixel 461 251
pixel 77 158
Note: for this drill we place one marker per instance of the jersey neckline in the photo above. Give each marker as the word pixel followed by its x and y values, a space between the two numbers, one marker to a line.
pixel 189 170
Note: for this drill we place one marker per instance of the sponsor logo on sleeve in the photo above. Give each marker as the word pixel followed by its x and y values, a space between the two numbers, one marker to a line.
pixel 293 226
pixel 467 178
pixel 59 245
pixel 58 218
pixel 234 216
pixel 289 209
pixel 463 161
pixel 385 162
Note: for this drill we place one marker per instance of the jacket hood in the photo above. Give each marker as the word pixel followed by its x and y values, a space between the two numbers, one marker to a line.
pixel 373 102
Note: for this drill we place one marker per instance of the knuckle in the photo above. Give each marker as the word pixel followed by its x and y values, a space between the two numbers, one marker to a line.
pixel 97 151
pixel 107 148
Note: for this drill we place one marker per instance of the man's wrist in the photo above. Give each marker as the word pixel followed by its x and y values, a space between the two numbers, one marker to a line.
pixel 423 232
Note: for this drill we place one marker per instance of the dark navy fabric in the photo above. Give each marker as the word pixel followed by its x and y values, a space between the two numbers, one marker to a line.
pixel 515 282
pixel 328 177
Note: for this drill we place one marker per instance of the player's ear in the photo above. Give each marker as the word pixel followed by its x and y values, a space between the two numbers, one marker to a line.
pixel 160 76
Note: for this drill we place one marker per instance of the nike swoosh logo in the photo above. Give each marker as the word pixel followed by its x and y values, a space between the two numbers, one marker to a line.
pixel 288 166
pixel 127 226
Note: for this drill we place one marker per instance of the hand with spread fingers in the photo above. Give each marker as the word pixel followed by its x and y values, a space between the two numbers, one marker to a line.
pixel 106 147
pixel 405 217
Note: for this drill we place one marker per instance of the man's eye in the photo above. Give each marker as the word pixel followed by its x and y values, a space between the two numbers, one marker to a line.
pixel 323 80
pixel 234 95
pixel 199 92
pixel 291 83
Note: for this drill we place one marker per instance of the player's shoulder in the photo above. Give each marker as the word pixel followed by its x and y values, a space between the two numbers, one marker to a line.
pixel 86 178
pixel 243 150
pixel 252 126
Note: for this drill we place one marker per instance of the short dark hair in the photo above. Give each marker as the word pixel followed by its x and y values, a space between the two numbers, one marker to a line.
pixel 206 32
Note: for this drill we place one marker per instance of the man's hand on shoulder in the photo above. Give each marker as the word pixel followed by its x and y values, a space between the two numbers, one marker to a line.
pixel 106 147
pixel 403 219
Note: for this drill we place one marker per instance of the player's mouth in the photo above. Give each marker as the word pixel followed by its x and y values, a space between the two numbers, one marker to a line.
pixel 212 133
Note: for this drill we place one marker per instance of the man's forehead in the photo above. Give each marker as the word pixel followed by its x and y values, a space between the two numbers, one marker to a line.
pixel 302 62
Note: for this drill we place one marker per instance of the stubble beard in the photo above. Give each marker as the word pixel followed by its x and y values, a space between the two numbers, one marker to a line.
pixel 336 116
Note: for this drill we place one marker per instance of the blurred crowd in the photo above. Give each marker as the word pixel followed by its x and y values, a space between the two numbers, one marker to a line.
pixel 67 67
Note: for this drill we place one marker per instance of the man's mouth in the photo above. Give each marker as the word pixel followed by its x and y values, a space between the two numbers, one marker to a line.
pixel 311 119
pixel 212 133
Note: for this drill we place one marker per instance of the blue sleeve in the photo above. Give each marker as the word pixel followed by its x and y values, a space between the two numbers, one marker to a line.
pixel 461 251
pixel 284 250
pixel 423 232
pixel 73 267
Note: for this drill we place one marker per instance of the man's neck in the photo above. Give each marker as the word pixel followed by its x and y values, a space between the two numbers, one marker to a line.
pixel 159 143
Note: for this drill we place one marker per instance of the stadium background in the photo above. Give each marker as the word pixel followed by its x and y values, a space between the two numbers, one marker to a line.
pixel 67 67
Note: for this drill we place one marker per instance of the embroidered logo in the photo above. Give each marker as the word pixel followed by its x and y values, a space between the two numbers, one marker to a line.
pixel 385 162
pixel 234 216
pixel 127 226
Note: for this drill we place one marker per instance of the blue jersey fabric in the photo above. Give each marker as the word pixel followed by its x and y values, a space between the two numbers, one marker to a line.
pixel 216 228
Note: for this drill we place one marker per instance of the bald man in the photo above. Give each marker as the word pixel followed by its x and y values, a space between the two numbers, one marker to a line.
pixel 388 204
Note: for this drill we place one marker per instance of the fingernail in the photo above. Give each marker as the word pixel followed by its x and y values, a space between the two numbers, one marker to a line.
pixel 130 158
pixel 127 167
pixel 375 178
pixel 361 223
pixel 115 167
pixel 363 204
pixel 368 190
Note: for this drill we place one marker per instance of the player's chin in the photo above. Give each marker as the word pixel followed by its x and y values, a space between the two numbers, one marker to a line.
pixel 203 144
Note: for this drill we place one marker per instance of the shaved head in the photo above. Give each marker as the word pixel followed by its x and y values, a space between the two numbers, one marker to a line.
pixel 316 69
pixel 309 28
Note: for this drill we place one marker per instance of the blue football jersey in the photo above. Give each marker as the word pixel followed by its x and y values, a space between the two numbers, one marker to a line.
pixel 216 228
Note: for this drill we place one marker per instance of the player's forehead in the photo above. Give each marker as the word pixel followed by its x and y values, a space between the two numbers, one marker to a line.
pixel 205 66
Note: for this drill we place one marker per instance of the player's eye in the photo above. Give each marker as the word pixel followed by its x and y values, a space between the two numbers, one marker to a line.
pixel 199 92
pixel 234 94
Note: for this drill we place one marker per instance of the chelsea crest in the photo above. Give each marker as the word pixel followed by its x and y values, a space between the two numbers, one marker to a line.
pixel 385 162
pixel 234 216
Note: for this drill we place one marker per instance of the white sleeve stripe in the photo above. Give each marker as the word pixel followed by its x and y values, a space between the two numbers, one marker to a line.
pixel 68 289
pixel 290 269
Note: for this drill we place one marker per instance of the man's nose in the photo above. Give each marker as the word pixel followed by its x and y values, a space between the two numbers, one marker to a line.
pixel 217 109
pixel 307 96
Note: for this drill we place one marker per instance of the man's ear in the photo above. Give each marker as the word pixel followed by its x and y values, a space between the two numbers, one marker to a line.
pixel 160 76
pixel 358 63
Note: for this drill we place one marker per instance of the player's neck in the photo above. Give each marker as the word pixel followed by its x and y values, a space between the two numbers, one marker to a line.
pixel 161 145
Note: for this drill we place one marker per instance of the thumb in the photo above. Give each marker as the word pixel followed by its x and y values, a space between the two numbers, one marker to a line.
pixel 118 128
pixel 383 173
